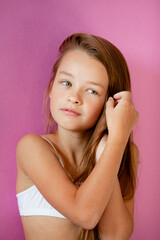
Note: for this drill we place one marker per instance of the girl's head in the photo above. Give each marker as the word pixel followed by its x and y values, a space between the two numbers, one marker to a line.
pixel 80 84
pixel 98 61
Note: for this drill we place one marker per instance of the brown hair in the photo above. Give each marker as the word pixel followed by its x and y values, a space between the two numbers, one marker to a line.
pixel 119 80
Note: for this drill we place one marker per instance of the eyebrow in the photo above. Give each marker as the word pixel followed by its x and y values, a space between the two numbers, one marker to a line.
pixel 96 84
pixel 66 73
pixel 91 82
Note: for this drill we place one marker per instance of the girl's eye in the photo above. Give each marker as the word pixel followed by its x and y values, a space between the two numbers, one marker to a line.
pixel 66 83
pixel 92 91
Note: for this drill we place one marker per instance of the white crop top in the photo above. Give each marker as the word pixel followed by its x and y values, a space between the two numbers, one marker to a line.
pixel 31 202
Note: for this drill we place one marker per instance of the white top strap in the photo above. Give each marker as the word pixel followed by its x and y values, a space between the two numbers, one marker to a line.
pixel 58 157
pixel 55 151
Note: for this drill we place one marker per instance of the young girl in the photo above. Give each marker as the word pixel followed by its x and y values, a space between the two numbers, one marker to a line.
pixel 78 182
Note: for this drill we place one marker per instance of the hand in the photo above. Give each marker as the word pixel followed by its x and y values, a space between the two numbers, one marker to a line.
pixel 121 115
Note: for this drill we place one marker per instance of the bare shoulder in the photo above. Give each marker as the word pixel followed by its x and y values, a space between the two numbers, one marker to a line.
pixel 101 146
pixel 31 146
pixel 23 180
pixel 25 143
pixel 32 140
pixel 29 139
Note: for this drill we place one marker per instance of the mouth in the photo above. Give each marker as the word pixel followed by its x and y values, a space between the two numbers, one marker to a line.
pixel 70 112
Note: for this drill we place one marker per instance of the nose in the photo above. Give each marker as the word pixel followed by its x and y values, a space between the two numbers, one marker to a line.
pixel 74 99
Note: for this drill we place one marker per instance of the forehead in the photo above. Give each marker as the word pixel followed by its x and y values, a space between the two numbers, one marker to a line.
pixel 81 65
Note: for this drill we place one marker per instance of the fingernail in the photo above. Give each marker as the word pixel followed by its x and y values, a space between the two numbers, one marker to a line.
pixel 116 95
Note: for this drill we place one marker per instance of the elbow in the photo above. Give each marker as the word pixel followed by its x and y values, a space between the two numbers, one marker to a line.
pixel 87 221
pixel 89 224
pixel 86 215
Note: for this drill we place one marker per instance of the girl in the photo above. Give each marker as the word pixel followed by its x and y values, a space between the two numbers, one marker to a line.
pixel 78 182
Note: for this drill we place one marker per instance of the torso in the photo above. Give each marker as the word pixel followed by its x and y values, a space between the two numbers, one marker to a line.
pixel 43 227
pixel 49 228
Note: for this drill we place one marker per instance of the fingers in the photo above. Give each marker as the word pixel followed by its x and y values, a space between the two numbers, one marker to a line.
pixel 123 95
pixel 126 95
pixel 110 103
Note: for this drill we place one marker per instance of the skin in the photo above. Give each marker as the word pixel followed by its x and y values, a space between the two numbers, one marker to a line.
pixel 79 95
pixel 37 162
pixel 117 220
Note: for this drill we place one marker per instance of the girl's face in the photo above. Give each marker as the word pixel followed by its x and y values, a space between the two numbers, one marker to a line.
pixel 79 91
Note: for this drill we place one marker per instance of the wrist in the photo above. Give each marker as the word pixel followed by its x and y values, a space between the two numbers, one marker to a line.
pixel 118 138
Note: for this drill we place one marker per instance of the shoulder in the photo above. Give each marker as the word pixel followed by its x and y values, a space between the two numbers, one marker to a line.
pixel 101 146
pixel 31 146
pixel 32 140
pixel 28 138
pixel 27 141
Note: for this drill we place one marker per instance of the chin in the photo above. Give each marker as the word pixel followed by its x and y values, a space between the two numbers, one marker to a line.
pixel 75 127
pixel 74 124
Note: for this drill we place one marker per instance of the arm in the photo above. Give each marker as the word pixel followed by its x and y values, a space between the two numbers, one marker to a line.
pixel 83 206
pixel 117 220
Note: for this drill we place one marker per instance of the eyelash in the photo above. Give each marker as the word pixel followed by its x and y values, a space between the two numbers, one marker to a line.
pixel 66 82
pixel 69 84
pixel 93 92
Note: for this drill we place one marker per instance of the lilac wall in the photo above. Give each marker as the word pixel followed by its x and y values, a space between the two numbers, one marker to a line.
pixel 30 32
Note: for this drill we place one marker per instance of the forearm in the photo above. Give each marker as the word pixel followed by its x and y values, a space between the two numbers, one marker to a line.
pixel 95 192
pixel 116 222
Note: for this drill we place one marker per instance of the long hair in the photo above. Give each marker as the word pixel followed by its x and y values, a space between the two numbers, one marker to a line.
pixel 119 80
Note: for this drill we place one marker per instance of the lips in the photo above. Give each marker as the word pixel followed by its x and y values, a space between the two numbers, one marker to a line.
pixel 70 112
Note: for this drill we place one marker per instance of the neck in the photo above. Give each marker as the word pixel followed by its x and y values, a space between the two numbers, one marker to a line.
pixel 72 144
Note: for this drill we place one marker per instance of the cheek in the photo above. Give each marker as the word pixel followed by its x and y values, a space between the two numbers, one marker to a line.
pixel 55 96
pixel 95 110
pixel 54 102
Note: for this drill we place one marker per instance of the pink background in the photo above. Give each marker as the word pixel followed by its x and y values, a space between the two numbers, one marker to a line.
pixel 30 33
